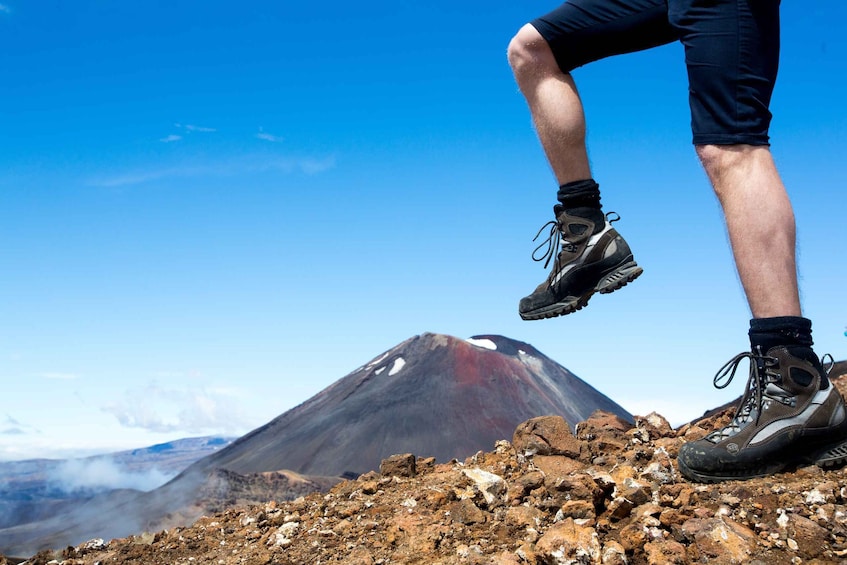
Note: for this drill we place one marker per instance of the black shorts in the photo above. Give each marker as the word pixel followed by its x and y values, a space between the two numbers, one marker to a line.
pixel 731 52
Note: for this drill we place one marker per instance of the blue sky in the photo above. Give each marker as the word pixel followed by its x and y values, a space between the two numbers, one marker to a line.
pixel 209 212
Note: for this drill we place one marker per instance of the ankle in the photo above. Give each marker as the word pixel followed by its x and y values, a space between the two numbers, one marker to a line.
pixel 582 199
pixel 791 331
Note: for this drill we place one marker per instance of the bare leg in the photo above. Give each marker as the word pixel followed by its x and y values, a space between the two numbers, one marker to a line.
pixel 554 104
pixel 760 222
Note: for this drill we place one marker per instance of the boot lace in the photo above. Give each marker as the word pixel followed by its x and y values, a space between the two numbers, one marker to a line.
pixel 762 387
pixel 551 244
pixel 555 240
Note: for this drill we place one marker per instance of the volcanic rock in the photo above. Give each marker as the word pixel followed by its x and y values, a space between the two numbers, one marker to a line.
pixel 499 507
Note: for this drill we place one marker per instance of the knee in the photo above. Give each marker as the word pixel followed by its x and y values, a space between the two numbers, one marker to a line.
pixel 718 158
pixel 529 55
pixel 726 164
pixel 711 156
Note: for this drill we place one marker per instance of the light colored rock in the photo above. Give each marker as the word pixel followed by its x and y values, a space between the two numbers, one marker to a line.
pixel 567 543
pixel 492 487
pixel 613 554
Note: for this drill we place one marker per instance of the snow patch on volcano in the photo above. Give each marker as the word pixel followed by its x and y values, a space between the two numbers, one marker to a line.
pixel 399 363
pixel 483 343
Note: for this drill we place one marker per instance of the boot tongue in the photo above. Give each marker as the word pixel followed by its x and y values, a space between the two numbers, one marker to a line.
pixel 778 394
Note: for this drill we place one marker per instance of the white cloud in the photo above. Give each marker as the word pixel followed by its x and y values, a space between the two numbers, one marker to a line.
pixel 59 376
pixel 102 473
pixel 171 138
pixel 12 427
pixel 190 410
pixel 139 177
pixel 199 129
pixel 268 136
pixel 193 128
pixel 250 164
pixel 315 166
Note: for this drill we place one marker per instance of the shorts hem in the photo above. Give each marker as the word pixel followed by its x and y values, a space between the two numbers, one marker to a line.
pixel 730 139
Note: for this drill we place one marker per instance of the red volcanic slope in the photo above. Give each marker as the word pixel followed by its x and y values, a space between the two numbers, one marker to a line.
pixel 432 395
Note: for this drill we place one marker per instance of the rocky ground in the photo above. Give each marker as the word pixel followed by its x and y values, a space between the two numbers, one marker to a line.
pixel 608 494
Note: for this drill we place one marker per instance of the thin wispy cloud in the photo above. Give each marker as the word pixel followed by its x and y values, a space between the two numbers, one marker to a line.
pixel 250 164
pixel 12 427
pixel 315 166
pixel 5 9
pixel 187 129
pixel 53 376
pixel 11 421
pixel 268 136
pixel 199 129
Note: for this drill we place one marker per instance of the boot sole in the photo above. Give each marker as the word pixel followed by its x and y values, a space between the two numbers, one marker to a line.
pixel 618 278
pixel 830 457
pixel 736 475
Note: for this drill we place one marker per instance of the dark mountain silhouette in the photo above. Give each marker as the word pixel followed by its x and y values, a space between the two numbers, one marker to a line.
pixel 433 395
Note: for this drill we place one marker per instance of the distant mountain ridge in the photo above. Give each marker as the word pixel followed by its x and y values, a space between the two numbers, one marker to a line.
pixel 33 489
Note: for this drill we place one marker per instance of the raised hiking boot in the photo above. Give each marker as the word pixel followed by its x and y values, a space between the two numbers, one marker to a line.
pixel 589 258
pixel 790 414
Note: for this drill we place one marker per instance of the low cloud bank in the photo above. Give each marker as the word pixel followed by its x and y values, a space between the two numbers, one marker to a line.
pixel 79 476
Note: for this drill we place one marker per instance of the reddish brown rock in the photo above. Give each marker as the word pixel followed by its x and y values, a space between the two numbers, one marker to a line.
pixel 546 435
pixel 555 466
pixel 812 540
pixel 466 512
pixel 522 517
pixel 721 539
pixel 403 465
pixel 656 425
pixel 667 552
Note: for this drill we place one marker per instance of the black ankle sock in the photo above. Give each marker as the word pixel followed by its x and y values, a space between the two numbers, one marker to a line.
pixel 582 198
pixel 580 194
pixel 792 331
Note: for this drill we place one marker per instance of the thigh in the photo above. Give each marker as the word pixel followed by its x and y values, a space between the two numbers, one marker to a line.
pixel 732 56
pixel 581 31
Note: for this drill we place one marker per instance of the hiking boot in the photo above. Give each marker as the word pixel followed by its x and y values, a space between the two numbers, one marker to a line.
pixel 593 258
pixel 789 414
